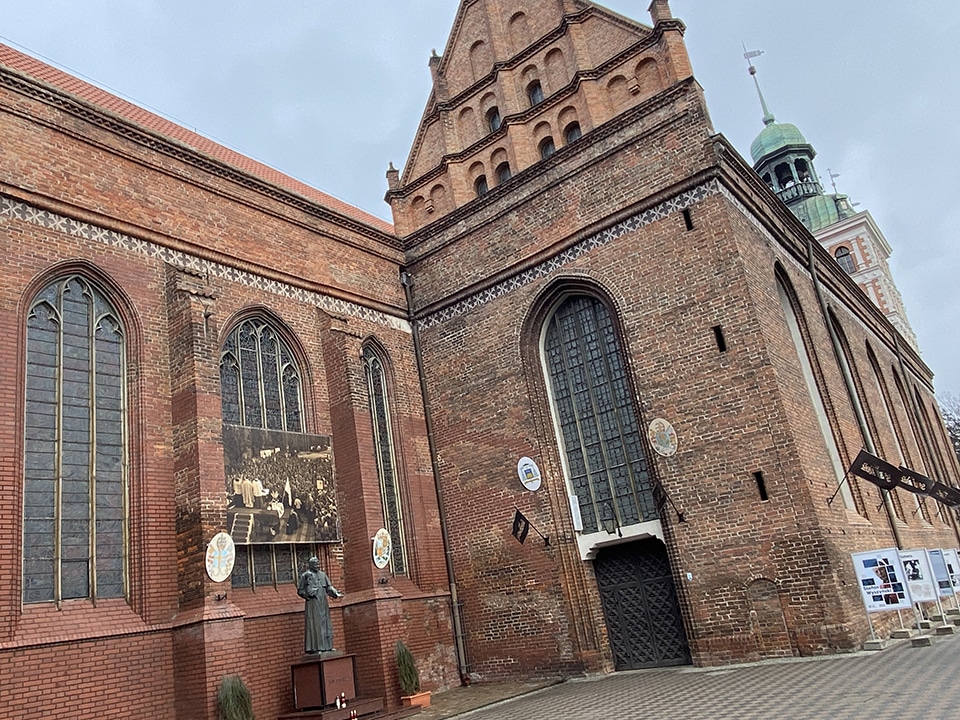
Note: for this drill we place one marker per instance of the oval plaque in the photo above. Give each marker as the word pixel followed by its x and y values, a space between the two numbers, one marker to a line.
pixel 221 555
pixel 663 438
pixel 382 548
pixel 529 474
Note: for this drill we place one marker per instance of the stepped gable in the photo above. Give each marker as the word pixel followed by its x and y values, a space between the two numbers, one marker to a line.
pixel 514 86
pixel 60 80
pixel 481 44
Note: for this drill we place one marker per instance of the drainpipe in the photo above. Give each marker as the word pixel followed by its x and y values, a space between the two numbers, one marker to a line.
pixel 851 389
pixel 406 279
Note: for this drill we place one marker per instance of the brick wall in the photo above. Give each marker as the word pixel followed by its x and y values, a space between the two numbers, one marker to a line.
pixel 186 249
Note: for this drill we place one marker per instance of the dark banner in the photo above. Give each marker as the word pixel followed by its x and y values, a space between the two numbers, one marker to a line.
pixel 915 482
pixel 280 487
pixel 883 474
pixel 873 469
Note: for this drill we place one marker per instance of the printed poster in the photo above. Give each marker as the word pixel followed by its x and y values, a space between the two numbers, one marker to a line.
pixel 919 575
pixel 939 565
pixel 882 581
pixel 953 568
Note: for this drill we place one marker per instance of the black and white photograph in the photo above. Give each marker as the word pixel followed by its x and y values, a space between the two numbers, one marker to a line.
pixel 280 486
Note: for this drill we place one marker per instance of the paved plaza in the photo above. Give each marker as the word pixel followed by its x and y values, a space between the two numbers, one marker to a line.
pixel 900 682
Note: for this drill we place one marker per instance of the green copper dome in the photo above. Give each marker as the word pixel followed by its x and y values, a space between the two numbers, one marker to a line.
pixel 775 136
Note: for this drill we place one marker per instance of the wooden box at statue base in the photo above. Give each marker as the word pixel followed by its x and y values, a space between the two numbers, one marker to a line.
pixel 317 683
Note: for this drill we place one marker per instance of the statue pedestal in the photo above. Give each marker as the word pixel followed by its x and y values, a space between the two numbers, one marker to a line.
pixel 318 682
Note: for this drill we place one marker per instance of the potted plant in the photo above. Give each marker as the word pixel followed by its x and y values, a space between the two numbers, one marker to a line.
pixel 410 679
pixel 233 700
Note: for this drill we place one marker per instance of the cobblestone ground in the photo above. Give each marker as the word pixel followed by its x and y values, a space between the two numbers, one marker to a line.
pixel 899 683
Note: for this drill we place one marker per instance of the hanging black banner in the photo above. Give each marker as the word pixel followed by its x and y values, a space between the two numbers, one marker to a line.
pixel 521 526
pixel 873 469
pixel 887 476
pixel 915 482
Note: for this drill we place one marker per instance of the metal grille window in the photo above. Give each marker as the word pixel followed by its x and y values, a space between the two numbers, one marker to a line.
pixel 259 380
pixel 260 387
pixel 270 565
pixel 75 480
pixel 605 459
pixel 385 456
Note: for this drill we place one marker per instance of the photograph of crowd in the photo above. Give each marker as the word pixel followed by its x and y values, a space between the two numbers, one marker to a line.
pixel 280 486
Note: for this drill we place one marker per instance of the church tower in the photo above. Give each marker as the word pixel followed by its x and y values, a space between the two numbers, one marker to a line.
pixel 784 160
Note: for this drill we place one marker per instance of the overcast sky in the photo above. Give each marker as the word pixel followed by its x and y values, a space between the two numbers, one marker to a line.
pixel 330 91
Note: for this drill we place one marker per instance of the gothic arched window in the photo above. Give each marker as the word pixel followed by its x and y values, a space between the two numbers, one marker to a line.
pixel 493 119
pixel 572 133
pixel 796 326
pixel 535 93
pixel 75 481
pixel 593 408
pixel 259 379
pixel 480 186
pixel 261 387
pixel 547 147
pixel 384 452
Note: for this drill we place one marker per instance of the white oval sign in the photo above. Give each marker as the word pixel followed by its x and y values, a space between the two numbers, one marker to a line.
pixel 221 555
pixel 382 548
pixel 529 474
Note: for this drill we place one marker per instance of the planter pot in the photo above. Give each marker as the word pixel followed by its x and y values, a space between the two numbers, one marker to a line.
pixel 421 699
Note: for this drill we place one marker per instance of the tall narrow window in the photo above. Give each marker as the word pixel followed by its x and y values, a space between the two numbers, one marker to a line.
pixel 572 133
pixel 480 186
pixel 593 408
pixel 901 457
pixel 535 93
pixel 75 484
pixel 493 119
pixel 385 456
pixel 546 147
pixel 794 320
pixel 261 387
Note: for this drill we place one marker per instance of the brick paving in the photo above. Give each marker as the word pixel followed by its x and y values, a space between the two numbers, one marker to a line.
pixel 900 682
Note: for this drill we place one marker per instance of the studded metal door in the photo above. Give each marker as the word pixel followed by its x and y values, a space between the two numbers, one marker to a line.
pixel 640 606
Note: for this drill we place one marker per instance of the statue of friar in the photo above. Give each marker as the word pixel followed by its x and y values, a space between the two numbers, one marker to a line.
pixel 314 586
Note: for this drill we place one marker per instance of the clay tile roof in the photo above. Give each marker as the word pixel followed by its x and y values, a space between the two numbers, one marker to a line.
pixel 65 82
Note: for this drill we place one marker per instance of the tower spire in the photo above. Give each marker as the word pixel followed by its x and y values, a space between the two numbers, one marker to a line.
pixel 748 55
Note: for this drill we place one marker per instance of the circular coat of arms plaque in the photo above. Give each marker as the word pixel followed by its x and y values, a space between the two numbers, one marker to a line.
pixel 663 438
pixel 221 554
pixel 382 548
pixel 529 474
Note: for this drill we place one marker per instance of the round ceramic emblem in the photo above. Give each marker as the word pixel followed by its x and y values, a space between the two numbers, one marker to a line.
pixel 382 548
pixel 529 474
pixel 663 437
pixel 221 554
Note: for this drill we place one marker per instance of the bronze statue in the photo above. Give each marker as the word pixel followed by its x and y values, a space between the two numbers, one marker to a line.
pixel 313 587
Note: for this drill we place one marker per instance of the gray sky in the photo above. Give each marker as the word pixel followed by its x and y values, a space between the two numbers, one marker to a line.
pixel 329 91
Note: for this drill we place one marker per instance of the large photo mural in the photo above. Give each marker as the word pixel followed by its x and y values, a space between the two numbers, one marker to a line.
pixel 280 486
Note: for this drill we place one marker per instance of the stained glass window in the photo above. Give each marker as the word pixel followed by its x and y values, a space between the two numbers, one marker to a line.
pixel 260 387
pixel 606 461
pixel 259 380
pixel 385 456
pixel 75 484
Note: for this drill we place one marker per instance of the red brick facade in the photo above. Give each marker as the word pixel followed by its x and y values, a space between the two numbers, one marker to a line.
pixel 644 209
pixel 658 218
pixel 185 245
